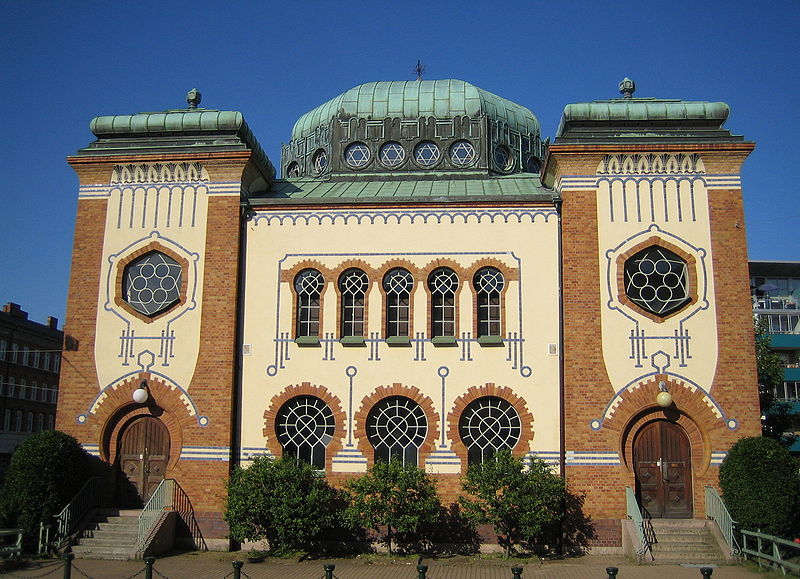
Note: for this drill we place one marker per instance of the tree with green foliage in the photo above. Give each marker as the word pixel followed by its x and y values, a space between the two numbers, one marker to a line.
pixel 761 486
pixel 400 497
pixel 282 500
pixel 519 499
pixel 776 419
pixel 46 471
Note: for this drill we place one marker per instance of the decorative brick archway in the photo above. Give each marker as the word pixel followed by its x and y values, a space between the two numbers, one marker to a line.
pixel 489 389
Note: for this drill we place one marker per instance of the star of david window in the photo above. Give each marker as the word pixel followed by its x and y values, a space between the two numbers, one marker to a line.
pixel 353 285
pixel 357 155
pixel 320 161
pixel 532 165
pixel 443 284
pixel 397 284
pixel 308 286
pixel 396 428
pixel 462 153
pixel 304 427
pixel 503 159
pixel 426 154
pixel 293 170
pixel 488 283
pixel 657 280
pixel 392 155
pixel 151 283
pixel 488 425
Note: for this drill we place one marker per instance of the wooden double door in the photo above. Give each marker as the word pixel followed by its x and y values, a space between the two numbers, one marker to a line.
pixel 143 455
pixel 663 467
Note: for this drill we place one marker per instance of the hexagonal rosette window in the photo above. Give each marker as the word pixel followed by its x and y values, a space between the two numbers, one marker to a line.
pixel 657 280
pixel 151 283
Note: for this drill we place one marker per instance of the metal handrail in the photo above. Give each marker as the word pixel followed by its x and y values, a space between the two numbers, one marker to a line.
pixel 160 499
pixel 775 557
pixel 85 499
pixel 718 512
pixel 635 514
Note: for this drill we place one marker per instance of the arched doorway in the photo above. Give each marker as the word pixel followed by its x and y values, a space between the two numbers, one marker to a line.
pixel 143 454
pixel 662 463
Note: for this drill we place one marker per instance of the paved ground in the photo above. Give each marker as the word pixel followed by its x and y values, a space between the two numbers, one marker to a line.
pixel 218 566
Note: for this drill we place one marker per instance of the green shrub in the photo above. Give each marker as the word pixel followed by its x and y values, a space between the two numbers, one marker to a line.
pixel 518 501
pixel 760 486
pixel 284 501
pixel 400 497
pixel 46 471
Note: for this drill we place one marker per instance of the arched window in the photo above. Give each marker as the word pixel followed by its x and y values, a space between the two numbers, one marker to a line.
pixel 304 427
pixel 487 425
pixel 396 428
pixel 353 285
pixel 398 284
pixel 488 283
pixel 443 283
pixel 308 285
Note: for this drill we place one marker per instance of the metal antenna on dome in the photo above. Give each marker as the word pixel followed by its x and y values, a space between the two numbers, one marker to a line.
pixel 419 69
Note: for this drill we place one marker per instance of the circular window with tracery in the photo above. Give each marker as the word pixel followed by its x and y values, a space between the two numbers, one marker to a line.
pixel 426 154
pixel 357 155
pixel 392 155
pixel 151 283
pixel 396 428
pixel 304 426
pixel 462 153
pixel 657 280
pixel 503 159
pixel 488 425
pixel 320 161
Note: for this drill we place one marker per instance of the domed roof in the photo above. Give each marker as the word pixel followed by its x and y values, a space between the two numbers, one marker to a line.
pixel 413 99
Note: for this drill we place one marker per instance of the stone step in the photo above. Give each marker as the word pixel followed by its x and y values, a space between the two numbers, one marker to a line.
pixel 115 553
pixel 113 534
pixel 112 541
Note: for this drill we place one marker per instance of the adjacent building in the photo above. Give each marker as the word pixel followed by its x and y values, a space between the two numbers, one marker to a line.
pixel 30 357
pixel 430 280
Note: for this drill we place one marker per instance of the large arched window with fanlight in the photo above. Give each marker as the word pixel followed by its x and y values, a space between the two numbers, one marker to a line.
pixel 488 425
pixel 304 426
pixel 396 428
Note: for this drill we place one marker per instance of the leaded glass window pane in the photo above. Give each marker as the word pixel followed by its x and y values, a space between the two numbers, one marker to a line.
pixel 320 161
pixel 396 428
pixel 398 284
pixel 488 425
pixel 443 283
pixel 489 284
pixel 357 155
pixel 462 153
pixel 502 158
pixel 305 426
pixel 151 283
pixel 308 286
pixel 426 154
pixel 353 285
pixel 392 154
pixel 657 280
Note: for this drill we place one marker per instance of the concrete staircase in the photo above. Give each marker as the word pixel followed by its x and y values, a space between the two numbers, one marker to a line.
pixel 112 534
pixel 689 541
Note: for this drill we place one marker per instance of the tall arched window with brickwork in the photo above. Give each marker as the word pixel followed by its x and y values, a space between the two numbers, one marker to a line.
pixel 396 428
pixel 353 284
pixel 443 284
pixel 398 284
pixel 488 425
pixel 488 283
pixel 304 427
pixel 308 286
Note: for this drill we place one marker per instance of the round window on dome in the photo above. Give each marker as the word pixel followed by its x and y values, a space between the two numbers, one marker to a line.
pixel 462 153
pixel 293 169
pixel 426 154
pixel 320 160
pixel 392 155
pixel 503 160
pixel 357 155
pixel 532 164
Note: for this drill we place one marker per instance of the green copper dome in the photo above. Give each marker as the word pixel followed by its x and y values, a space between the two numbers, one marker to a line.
pixel 446 98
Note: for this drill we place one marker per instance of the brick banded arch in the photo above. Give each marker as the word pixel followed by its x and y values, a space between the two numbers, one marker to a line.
pixel 489 389
pixel 305 389
pixel 165 403
pixel 396 389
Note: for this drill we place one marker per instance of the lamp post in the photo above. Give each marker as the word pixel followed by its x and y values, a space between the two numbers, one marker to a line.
pixel 663 398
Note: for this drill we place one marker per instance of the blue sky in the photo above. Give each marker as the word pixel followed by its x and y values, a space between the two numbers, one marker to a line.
pixel 62 63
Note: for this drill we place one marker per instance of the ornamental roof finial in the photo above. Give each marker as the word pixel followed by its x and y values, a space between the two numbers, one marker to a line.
pixel 627 87
pixel 193 98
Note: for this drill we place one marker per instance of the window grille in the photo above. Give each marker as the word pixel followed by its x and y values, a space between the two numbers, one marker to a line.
pixel 489 282
pixel 308 285
pixel 357 155
pixel 152 283
pixel 353 285
pixel 443 283
pixel 304 427
pixel 462 153
pixel 398 284
pixel 392 155
pixel 396 428
pixel 656 280
pixel 426 154
pixel 488 425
